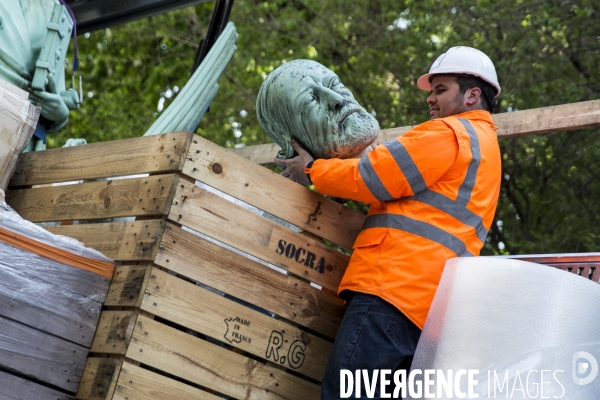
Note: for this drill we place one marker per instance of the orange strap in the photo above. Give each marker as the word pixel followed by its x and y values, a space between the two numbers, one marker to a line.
pixel 102 268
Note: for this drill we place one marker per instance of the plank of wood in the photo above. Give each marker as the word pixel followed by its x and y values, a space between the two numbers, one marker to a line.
pixel 42 304
pixel 263 188
pixel 40 356
pixel 564 117
pixel 65 277
pixel 99 379
pixel 113 332
pixel 16 388
pixel 206 312
pixel 240 277
pixel 136 383
pixel 120 241
pixel 18 118
pixel 93 200
pixel 128 285
pixel 193 359
pixel 147 154
pixel 229 223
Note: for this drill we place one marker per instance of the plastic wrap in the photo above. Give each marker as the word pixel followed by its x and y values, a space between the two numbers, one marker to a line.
pixel 46 294
pixel 530 329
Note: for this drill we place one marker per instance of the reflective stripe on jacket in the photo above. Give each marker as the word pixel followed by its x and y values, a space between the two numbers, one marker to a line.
pixel 433 193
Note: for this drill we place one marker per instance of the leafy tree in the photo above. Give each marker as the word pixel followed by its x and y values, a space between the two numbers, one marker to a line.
pixel 546 53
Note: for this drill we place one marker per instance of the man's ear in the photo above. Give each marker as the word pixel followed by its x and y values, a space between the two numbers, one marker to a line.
pixel 472 96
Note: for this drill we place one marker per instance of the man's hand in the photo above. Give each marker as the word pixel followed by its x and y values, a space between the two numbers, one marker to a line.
pixel 294 167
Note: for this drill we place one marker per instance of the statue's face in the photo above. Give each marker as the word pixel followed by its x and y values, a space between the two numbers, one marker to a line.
pixel 320 112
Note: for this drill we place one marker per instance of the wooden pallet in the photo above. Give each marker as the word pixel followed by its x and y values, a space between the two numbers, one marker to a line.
pixel 211 297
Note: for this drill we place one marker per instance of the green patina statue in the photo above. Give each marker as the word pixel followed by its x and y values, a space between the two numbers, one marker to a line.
pixel 34 35
pixel 306 101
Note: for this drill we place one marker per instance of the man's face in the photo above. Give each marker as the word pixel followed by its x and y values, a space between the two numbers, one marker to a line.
pixel 327 119
pixel 445 98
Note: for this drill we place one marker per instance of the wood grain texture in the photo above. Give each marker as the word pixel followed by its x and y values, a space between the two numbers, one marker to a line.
pixel 229 223
pixel 564 117
pixel 203 311
pixel 16 388
pixel 40 356
pixel 128 285
pixel 94 200
pixel 32 293
pixel 206 364
pixel 99 379
pixel 238 276
pixel 147 154
pixel 113 332
pixel 119 241
pixel 136 383
pixel 264 189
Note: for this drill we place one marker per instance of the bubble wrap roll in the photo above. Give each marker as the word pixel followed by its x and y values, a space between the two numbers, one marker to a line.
pixel 511 320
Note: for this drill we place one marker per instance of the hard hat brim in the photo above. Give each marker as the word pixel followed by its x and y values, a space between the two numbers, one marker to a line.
pixel 424 84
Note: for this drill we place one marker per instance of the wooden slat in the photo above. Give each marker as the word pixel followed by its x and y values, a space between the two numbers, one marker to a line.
pixel 40 356
pixel 47 271
pixel 206 364
pixel 215 266
pixel 136 383
pixel 99 379
pixel 292 202
pixel 114 332
pixel 119 241
pixel 107 199
pixel 127 286
pixel 42 304
pixel 149 154
pixel 196 308
pixel 564 117
pixel 535 121
pixel 254 234
pixel 15 388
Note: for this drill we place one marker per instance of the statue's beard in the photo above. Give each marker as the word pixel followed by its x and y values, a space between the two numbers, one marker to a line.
pixel 353 133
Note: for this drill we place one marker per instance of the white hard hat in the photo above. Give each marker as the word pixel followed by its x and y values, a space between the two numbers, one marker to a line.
pixel 462 60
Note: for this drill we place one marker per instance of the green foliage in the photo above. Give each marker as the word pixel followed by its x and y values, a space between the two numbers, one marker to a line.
pixel 546 53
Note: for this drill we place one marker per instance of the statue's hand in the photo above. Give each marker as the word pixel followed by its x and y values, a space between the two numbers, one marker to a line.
pixel 294 167
pixel 53 106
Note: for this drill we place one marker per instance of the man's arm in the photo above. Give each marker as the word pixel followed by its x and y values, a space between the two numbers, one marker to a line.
pixel 398 168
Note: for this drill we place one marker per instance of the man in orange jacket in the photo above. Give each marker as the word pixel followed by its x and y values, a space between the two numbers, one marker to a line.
pixel 432 194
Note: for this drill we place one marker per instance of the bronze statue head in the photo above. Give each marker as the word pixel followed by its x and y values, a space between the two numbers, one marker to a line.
pixel 306 101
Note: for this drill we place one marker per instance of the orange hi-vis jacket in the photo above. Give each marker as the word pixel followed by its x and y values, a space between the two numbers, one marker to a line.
pixel 433 193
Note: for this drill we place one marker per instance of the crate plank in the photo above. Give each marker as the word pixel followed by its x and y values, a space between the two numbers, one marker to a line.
pixel 42 269
pixel 113 332
pixel 271 192
pixel 119 241
pixel 196 308
pixel 227 222
pixel 99 379
pixel 127 286
pixel 136 383
pixel 208 365
pixel 92 200
pixel 31 300
pixel 15 388
pixel 148 154
pixel 215 266
pixel 564 117
pixel 41 356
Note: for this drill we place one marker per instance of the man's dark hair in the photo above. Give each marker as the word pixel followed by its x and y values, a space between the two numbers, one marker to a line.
pixel 466 81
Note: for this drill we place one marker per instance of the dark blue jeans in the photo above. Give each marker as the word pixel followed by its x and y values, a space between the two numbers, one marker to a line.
pixel 373 335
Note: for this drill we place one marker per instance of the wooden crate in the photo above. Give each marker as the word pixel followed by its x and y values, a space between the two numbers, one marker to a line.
pixel 213 295
pixel 49 310
pixel 18 118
